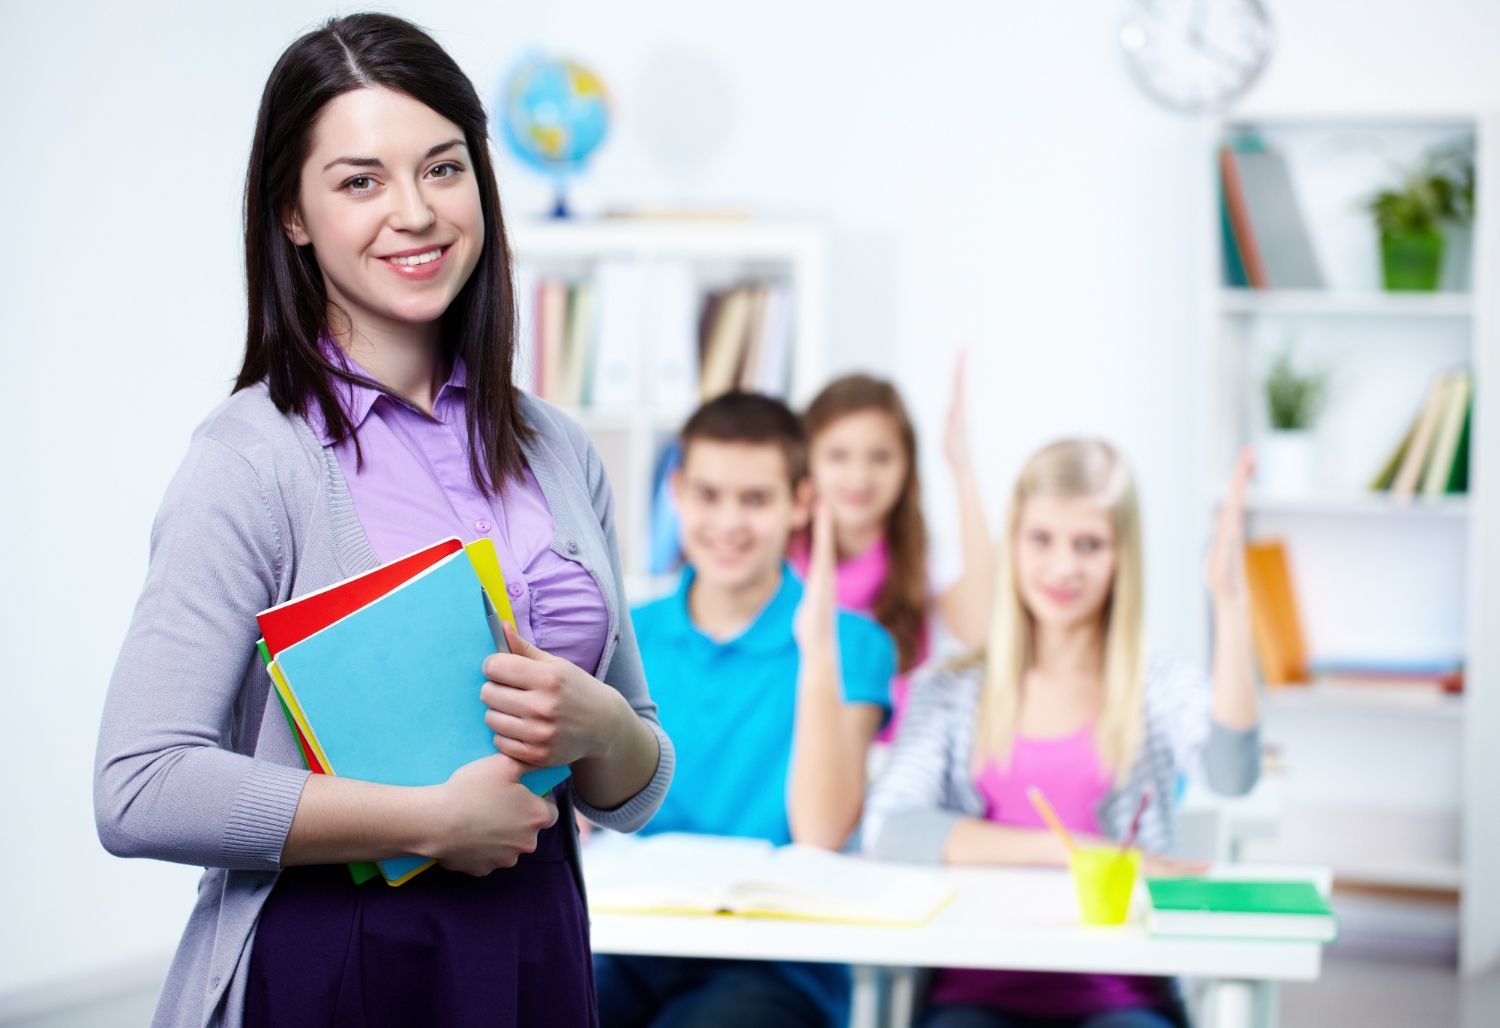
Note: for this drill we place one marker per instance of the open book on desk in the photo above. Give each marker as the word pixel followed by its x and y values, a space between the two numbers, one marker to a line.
pixel 712 875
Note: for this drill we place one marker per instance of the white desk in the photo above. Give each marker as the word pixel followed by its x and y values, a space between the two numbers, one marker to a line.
pixel 1012 919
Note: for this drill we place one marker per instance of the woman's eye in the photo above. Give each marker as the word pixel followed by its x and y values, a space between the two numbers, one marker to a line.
pixel 360 184
pixel 1087 545
pixel 445 170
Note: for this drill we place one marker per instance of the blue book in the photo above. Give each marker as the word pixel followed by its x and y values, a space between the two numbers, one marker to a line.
pixel 392 690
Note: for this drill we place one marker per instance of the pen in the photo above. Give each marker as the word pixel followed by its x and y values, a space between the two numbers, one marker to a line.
pixel 497 632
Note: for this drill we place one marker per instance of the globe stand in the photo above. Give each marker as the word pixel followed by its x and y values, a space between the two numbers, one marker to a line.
pixel 560 203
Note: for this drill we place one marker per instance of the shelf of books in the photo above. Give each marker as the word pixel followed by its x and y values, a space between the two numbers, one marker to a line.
pixel 629 323
pixel 1373 584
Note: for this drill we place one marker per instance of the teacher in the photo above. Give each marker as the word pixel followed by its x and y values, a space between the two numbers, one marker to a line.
pixel 374 414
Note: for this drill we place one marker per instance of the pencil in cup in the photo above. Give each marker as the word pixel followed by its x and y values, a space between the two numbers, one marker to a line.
pixel 1104 876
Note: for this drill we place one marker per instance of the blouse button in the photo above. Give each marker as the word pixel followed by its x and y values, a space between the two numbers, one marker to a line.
pixel 572 546
pixel 515 589
pixel 482 525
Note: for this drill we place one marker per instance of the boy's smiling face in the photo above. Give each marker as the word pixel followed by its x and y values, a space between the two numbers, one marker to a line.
pixel 738 510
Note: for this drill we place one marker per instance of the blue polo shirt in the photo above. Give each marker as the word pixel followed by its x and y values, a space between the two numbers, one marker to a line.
pixel 729 707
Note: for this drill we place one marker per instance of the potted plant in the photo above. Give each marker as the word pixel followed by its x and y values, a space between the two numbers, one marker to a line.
pixel 1412 217
pixel 1293 401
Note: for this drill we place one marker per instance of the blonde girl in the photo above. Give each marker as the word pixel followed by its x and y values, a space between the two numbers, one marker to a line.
pixel 1063 698
pixel 862 455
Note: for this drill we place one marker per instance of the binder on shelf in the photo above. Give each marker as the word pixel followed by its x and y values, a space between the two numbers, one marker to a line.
pixel 673 351
pixel 619 342
pixel 552 319
pixel 727 318
pixel 1274 620
pixel 1266 218
pixel 1441 465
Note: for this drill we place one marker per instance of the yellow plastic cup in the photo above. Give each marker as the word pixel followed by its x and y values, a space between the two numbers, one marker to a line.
pixel 1105 880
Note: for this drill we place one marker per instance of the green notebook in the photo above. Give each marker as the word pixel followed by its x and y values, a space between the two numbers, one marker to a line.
pixel 1218 908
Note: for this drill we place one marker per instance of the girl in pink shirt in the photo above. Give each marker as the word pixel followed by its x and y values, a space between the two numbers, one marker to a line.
pixel 1064 699
pixel 862 454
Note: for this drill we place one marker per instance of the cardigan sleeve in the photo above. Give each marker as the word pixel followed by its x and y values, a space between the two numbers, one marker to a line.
pixel 912 809
pixel 1181 704
pixel 167 784
pixel 625 672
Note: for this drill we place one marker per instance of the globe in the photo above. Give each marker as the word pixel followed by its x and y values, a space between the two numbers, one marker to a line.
pixel 553 113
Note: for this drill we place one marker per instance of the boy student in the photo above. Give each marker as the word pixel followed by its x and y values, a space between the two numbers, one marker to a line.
pixel 771 696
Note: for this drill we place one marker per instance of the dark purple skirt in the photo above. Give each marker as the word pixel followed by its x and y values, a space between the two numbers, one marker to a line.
pixel 509 949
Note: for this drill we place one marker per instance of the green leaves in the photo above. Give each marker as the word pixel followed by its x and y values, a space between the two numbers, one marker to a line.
pixel 1440 190
pixel 1293 399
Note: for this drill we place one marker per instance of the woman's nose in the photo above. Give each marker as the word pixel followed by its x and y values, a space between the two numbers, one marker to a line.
pixel 411 211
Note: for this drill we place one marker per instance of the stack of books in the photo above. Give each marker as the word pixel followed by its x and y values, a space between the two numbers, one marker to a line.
pixel 379 675
pixel 1266 242
pixel 1432 458
pixel 745 340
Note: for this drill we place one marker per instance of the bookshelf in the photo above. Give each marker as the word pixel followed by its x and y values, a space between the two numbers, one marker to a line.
pixel 653 277
pixel 1392 788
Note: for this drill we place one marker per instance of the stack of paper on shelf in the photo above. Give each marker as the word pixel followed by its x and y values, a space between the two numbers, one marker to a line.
pixel 1432 458
pixel 1222 909
pixel 1274 620
pixel 706 875
pixel 380 674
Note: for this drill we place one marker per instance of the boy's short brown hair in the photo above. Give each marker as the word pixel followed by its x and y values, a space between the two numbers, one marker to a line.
pixel 753 418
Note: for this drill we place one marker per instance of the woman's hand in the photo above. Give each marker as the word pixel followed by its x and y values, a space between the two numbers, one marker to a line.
pixel 546 711
pixel 1154 865
pixel 485 818
pixel 956 428
pixel 814 623
pixel 1225 570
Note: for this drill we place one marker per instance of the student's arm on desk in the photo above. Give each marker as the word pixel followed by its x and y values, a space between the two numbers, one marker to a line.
pixel 826 783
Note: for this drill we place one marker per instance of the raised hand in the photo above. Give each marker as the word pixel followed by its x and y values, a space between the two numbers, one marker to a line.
pixel 956 426
pixel 814 624
pixel 1225 569
pixel 546 711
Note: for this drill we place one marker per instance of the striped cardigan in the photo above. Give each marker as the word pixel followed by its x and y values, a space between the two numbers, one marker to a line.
pixel 927 785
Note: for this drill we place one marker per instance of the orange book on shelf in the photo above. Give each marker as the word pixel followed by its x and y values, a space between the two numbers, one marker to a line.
pixel 1274 623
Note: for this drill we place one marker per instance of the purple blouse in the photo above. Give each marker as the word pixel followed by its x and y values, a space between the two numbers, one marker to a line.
pixel 413 487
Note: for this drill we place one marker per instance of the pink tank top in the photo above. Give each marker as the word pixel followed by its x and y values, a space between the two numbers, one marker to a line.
pixel 1068 770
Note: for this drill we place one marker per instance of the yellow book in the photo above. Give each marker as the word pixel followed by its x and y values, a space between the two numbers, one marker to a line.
pixel 1274 621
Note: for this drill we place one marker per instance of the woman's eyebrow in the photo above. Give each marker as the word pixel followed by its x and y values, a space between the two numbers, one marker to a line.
pixel 376 162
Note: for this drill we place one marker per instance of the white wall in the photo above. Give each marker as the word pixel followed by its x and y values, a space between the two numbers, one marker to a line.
pixel 990 176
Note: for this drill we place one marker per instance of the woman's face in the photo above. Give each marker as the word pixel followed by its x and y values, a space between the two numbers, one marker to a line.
pixel 1065 559
pixel 858 466
pixel 389 203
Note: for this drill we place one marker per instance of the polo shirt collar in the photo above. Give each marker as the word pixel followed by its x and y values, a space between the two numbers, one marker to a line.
pixel 769 631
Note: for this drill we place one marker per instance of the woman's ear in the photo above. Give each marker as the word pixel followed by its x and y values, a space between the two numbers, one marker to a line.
pixel 291 224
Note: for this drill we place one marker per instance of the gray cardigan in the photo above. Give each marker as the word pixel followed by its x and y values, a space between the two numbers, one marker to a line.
pixel 927 785
pixel 195 764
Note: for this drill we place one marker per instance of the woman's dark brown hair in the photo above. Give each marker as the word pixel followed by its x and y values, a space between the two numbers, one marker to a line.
pixel 288 303
pixel 901 604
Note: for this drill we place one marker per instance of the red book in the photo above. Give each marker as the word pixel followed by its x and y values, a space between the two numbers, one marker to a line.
pixel 1239 219
pixel 286 624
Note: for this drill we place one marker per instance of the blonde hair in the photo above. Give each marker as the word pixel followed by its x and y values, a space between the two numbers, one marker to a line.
pixel 1070 469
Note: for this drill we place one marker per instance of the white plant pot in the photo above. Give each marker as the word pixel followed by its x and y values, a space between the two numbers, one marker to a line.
pixel 1284 464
